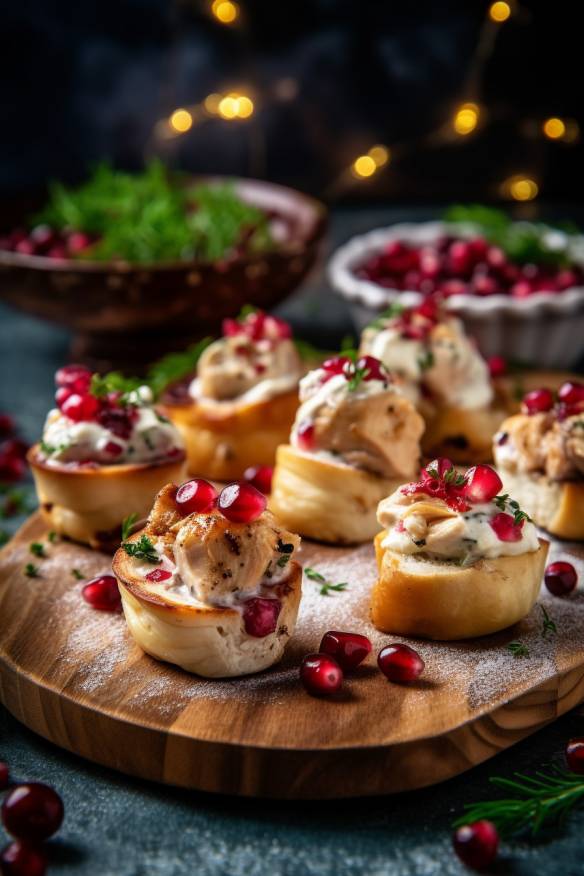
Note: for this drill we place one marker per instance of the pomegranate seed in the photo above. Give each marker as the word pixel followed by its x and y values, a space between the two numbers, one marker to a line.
pixel 113 449
pixel 479 248
pixel 25 247
pixel 571 393
pixel 241 503
pixel 32 812
pixel 4 775
pixel 497 366
pixel 18 859
pixel 348 649
pixel 400 663
pixel 7 425
pixel 102 593
pixel 12 468
pixel 461 258
pixel 482 484
pixel 62 395
pixel 375 369
pixel 274 326
pixel 119 421
pixel 522 289
pixel 260 477
pixel 453 287
pixel 442 464
pixel 196 496
pixel 336 365
pixel 476 844
pixel 305 435
pixel 496 258
pixel 560 578
pixel 77 241
pixel 538 401
pixel 567 279
pixel 430 264
pixel 260 616
pixel 57 252
pixel 157 575
pixel 80 408
pixel 575 755
pixel 230 328
pixel 320 674
pixel 483 285
pixel 505 528
pixel 68 375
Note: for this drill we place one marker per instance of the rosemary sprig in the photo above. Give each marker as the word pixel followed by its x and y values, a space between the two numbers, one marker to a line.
pixel 127 526
pixel 545 798
pixel 548 625
pixel 143 549
pixel 518 649
pixel 325 585
pixel 518 515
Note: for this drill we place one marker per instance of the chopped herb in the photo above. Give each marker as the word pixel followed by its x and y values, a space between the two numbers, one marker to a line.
pixel 501 501
pixel 314 575
pixel 161 418
pixel 31 571
pixel 127 525
pixel 284 548
pixel 102 385
pixel 426 360
pixel 548 625
pixel 246 311
pixel 143 549
pixel 37 549
pixel 50 449
pixel 283 561
pixel 52 537
pixel 519 516
pixel 326 586
pixel 79 576
pixel 518 649
pixel 268 573
pixel 147 439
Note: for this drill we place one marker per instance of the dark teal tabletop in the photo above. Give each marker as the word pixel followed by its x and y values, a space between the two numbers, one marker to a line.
pixel 117 826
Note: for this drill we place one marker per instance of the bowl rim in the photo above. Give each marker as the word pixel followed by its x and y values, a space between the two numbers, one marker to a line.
pixel 353 288
pixel 312 228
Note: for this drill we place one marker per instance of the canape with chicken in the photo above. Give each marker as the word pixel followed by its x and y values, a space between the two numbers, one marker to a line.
pixel 355 437
pixel 540 456
pixel 103 456
pixel 457 558
pixel 242 401
pixel 211 583
pixel 444 375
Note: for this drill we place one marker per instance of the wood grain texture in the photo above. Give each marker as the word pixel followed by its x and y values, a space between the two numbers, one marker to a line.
pixel 76 677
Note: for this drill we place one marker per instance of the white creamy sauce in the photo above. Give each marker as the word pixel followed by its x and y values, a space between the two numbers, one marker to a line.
pixel 397 353
pixel 262 391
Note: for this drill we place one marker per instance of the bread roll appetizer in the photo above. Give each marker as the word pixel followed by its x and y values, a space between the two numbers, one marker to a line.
pixel 354 439
pixel 443 374
pixel 104 455
pixel 540 456
pixel 456 557
pixel 210 583
pixel 241 404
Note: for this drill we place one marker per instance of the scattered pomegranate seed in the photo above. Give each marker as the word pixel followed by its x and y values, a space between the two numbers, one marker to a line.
pixel 241 503
pixel 18 859
pixel 32 812
pixel 305 435
pixel 335 365
pixel 196 496
pixel 157 575
pixel 505 528
pixel 102 593
pixel 575 755
pixel 538 401
pixel 482 483
pixel 7 425
pixel 497 366
pixel 374 368
pixel 400 663
pixel 260 616
pixel 113 449
pixel 69 375
pixel 260 477
pixel 560 578
pixel 4 775
pixel 476 844
pixel 119 421
pixel 80 408
pixel 348 649
pixel 320 674
pixel 571 393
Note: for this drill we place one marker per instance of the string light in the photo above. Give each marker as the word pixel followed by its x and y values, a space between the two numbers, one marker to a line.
pixel 235 106
pixel 181 121
pixel 211 103
pixel 381 155
pixel 499 11
pixel 520 188
pixel 466 118
pixel 364 166
pixel 225 11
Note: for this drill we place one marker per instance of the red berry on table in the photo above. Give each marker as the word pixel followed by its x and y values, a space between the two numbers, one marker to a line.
pixel 260 616
pixel 32 812
pixel 505 528
pixel 241 503
pixel 80 408
pixel 497 366
pixel 195 496
pixel 348 649
pixel 260 477
pixel 476 844
pixel 571 393
pixel 482 484
pixel 538 401
pixel 4 775
pixel 575 755
pixel 19 859
pixel 321 675
pixel 102 593
pixel 560 578
pixel 400 663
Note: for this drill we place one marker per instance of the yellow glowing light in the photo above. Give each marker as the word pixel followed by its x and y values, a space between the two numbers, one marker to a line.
pixel 225 11
pixel 228 107
pixel 364 166
pixel 211 103
pixel 245 106
pixel 466 118
pixel 380 155
pixel 520 188
pixel 554 128
pixel 181 121
pixel 499 11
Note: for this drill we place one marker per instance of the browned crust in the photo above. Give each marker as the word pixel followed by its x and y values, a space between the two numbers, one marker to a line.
pixel 226 416
pixel 36 460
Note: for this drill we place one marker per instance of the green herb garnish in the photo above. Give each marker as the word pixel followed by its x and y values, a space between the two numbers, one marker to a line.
pixel 31 571
pixel 426 360
pixel 518 649
pixel 127 525
pixel 394 310
pixel 79 576
pixel 114 381
pixel 325 585
pixel 37 549
pixel 143 549
pixel 548 625
pixel 519 516
pixel 52 537
pixel 283 561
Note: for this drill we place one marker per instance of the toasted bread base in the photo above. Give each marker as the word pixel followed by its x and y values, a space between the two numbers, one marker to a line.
pixel 557 506
pixel 205 640
pixel 224 439
pixel 464 436
pixel 414 597
pixel 326 501
pixel 89 505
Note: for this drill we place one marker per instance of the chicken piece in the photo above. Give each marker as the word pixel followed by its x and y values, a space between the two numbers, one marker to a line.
pixel 456 374
pixel 563 447
pixel 379 433
pixel 525 442
pixel 231 366
pixel 445 536
pixel 164 513
pixel 218 559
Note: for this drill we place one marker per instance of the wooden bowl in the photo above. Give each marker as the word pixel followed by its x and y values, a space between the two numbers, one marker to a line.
pixel 130 314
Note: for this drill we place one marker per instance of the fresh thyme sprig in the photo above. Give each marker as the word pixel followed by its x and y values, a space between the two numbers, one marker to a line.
pixel 548 625
pixel 518 649
pixel 518 515
pixel 37 549
pixel 325 585
pixel 143 549
pixel 31 571
pixel 127 525
pixel 114 381
pixel 545 798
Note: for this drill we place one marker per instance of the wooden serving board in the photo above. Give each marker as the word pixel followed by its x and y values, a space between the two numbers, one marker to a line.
pixel 75 676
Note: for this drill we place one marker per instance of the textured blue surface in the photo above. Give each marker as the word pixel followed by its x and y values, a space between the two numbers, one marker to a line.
pixel 117 826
